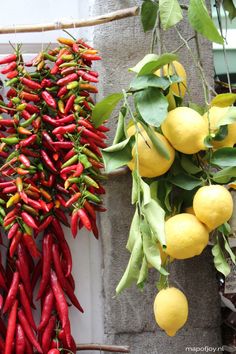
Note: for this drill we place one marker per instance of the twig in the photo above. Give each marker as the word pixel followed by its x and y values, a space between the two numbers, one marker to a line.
pixel 103 347
pixel 94 21
pixel 183 44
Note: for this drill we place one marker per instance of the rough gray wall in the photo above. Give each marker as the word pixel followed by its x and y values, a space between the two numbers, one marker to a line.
pixel 129 318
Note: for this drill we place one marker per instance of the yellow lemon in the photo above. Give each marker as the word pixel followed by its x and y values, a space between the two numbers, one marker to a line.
pixel 151 162
pixel 175 68
pixel 186 236
pixel 214 115
pixel 171 310
pixel 213 205
pixel 185 129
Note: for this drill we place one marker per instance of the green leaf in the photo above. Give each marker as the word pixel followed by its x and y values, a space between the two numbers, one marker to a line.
pixel 228 118
pixel 118 155
pixel 152 105
pixel 185 181
pixel 152 80
pixel 146 193
pixel 219 260
pixel 170 13
pixel 221 133
pixel 104 108
pixel 131 273
pixel 225 175
pixel 225 229
pixel 157 143
pixel 228 249
pixel 223 100
pixel 153 62
pixel 135 187
pixel 197 108
pixel 155 217
pixel 230 7
pixel 143 274
pixel 150 247
pixel 148 15
pixel 201 21
pixel 120 130
pixel 134 232
pixel 224 157
pixel 152 66
pixel 189 166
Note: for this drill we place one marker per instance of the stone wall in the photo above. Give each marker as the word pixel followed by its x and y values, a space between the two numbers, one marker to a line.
pixel 128 319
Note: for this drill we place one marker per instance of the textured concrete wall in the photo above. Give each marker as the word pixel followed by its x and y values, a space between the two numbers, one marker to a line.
pixel 129 317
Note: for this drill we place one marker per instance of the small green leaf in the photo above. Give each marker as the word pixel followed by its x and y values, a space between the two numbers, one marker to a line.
pixel 152 80
pixel 150 248
pixel 221 133
pixel 120 130
pixel 185 181
pixel 223 100
pixel 118 155
pixel 230 7
pixel 135 187
pixel 189 166
pixel 104 108
pixel 197 108
pixel 162 60
pixel 146 193
pixel 143 274
pixel 225 175
pixel 157 143
pixel 134 232
pixel 152 105
pixel 132 271
pixel 155 217
pixel 170 13
pixel 224 157
pixel 219 260
pixel 225 229
pixel 201 21
pixel 148 15
pixel 228 118
pixel 228 249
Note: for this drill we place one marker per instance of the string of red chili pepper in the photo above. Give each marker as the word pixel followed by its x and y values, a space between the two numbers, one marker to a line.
pixel 49 107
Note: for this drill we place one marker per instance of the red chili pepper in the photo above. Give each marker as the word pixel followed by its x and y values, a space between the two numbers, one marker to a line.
pixel 9 68
pixel 88 133
pixel 73 199
pixel 74 223
pixel 22 264
pixel 61 216
pixel 93 73
pixel 47 257
pixel 89 208
pixel 30 244
pixel 11 327
pixel 36 274
pixel 13 230
pixel 66 129
pixel 68 71
pixel 85 219
pixel 54 69
pixel 63 144
pixel 49 140
pixel 31 84
pixel 67 119
pixel 28 346
pixel 69 103
pixel 53 351
pixel 49 99
pixel 48 119
pixel 8 190
pixel 11 296
pixel 29 152
pixel 8 59
pixel 65 80
pixel 83 44
pixel 32 109
pixel 45 223
pixel 46 83
pixel 86 76
pixel 63 90
pixel 26 306
pixel 20 340
pixel 12 74
pixel 15 242
pixel 48 162
pixel 29 96
pixel 28 141
pixel 28 331
pixel 47 308
pixel 90 57
pixel 47 334
pixel 29 220
pixel 23 159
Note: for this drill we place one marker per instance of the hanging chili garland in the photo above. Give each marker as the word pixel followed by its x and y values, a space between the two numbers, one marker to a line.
pixel 50 165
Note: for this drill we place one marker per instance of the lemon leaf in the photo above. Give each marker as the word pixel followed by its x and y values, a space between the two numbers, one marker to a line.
pixel 223 100
pixel 143 274
pixel 146 193
pixel 219 260
pixel 134 231
pixel 157 143
pixel 201 22
pixel 152 105
pixel 152 80
pixel 185 181
pixel 225 175
pixel 189 166
pixel 148 14
pixel 224 157
pixel 228 118
pixel 118 155
pixel 120 130
pixel 170 13
pixel 104 108
pixel 150 248
pixel 155 217
pixel 228 250
pixel 153 62
pixel 230 7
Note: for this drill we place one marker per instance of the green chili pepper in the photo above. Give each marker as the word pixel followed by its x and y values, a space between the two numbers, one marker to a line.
pixel 16 100
pixel 72 85
pixel 21 107
pixel 71 161
pixel 27 229
pixel 12 155
pixel 2 201
pixel 12 81
pixel 84 160
pixel 71 63
pixel 2 211
pixel 27 122
pixel 92 197
pixel 49 57
pixel 79 99
pixel 10 141
pixel 89 181
pixel 52 89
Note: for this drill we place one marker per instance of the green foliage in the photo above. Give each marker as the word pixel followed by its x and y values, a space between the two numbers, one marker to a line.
pixel 223 100
pixel 219 259
pixel 170 13
pixel 104 108
pixel 224 157
pixel 201 22
pixel 148 14
pixel 152 62
pixel 230 8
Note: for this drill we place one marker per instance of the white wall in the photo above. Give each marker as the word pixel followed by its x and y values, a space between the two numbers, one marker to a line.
pixel 86 250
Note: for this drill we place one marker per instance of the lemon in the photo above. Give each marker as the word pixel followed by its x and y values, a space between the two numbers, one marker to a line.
pixel 171 310
pixel 186 236
pixel 185 129
pixel 214 115
pixel 175 68
pixel 151 162
pixel 213 205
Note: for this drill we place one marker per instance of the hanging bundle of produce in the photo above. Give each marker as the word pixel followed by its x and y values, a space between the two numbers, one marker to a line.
pixel 50 168
pixel 182 159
